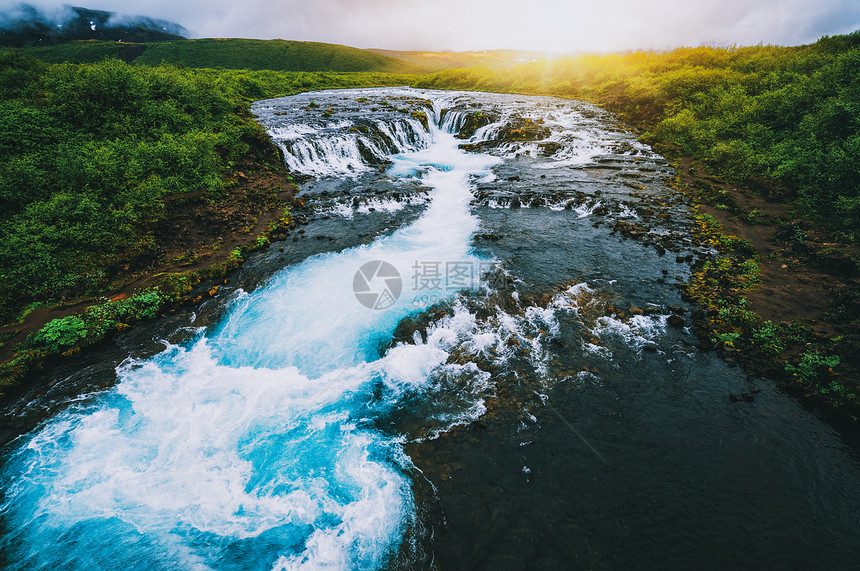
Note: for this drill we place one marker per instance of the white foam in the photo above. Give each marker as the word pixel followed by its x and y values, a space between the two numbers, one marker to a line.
pixel 390 206
pixel 636 332
pixel 335 149
pixel 261 426
pixel 290 132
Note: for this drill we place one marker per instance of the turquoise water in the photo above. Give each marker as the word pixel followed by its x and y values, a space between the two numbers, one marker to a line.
pixel 252 446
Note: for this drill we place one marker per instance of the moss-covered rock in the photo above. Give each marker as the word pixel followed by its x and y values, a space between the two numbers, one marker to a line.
pixel 473 122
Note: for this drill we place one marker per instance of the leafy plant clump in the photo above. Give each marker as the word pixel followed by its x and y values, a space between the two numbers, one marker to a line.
pixel 68 335
pixel 92 325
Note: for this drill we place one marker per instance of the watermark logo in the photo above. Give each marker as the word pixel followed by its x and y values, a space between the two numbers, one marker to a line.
pixel 377 285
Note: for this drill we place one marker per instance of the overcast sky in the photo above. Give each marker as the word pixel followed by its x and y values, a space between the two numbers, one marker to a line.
pixel 552 25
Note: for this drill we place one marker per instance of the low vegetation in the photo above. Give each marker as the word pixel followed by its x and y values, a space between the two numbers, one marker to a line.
pixel 791 351
pixel 229 53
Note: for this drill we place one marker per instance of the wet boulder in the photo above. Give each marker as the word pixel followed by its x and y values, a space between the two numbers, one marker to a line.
pixel 523 129
pixel 550 148
pixel 473 122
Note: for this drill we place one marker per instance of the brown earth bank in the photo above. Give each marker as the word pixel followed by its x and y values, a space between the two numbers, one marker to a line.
pixel 808 282
pixel 794 285
pixel 195 233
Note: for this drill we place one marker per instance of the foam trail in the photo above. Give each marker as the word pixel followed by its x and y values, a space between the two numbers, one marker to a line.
pixel 254 446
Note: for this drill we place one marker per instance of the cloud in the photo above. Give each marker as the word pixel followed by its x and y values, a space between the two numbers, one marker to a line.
pixel 556 25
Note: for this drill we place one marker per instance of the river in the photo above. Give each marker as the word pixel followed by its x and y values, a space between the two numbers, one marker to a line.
pixel 473 355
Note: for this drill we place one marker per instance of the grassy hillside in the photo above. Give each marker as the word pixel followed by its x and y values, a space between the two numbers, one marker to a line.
pixel 85 51
pixel 277 55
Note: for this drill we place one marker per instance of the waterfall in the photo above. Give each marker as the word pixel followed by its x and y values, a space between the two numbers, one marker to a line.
pixel 347 148
pixel 255 442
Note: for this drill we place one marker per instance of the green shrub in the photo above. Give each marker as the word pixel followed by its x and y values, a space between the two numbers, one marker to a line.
pixel 59 334
pixel 768 339
pixel 89 152
pixel 812 364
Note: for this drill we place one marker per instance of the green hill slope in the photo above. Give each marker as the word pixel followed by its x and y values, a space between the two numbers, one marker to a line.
pixel 277 55
pixel 85 51
pixel 493 59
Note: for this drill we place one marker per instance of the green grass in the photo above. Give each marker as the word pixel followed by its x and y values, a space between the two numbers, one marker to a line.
pixel 80 51
pixel 226 53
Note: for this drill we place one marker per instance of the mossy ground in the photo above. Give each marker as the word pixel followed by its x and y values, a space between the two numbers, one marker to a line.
pixel 767 302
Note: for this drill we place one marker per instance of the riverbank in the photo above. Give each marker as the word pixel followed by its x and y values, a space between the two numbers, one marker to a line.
pixel 782 298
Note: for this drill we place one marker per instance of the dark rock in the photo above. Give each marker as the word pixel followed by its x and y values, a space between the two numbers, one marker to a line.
pixel 523 129
pixel 676 321
pixel 515 203
pixel 473 122
pixel 800 248
pixel 677 309
pixel 549 149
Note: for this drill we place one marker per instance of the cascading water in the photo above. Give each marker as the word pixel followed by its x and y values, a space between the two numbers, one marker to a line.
pixel 254 445
pixel 301 429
